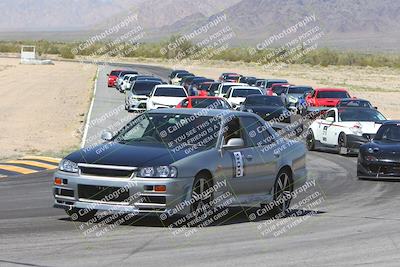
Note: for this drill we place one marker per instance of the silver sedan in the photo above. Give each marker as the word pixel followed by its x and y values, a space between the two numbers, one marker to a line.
pixel 178 161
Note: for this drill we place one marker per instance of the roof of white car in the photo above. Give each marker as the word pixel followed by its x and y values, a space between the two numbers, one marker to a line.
pixel 128 75
pixel 169 86
pixel 244 87
pixel 237 84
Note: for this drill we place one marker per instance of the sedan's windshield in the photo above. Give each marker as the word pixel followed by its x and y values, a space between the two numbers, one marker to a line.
pixel 143 88
pixel 299 90
pixel 351 114
pixel 274 101
pixel 212 103
pixel 245 92
pixel 355 103
pixel 278 90
pixel 173 92
pixel 390 132
pixel 171 130
pixel 225 88
pixel 333 94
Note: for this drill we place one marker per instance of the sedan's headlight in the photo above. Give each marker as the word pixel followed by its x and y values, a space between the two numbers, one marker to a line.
pixel 68 166
pixel 158 172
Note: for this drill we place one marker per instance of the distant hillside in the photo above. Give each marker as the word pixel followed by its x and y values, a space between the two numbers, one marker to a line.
pixel 353 24
pixel 361 24
pixel 59 15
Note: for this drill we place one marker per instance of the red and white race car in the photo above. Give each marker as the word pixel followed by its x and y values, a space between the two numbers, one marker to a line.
pixel 344 129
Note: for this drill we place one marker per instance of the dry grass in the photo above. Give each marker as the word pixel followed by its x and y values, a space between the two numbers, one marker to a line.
pixel 42 107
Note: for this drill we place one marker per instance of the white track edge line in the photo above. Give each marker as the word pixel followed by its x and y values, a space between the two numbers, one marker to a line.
pixel 90 111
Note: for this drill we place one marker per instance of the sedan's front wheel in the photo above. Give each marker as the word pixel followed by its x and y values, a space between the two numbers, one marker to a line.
pixel 283 189
pixel 201 196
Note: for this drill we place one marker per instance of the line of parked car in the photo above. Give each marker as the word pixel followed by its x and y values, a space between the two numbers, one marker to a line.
pixel 341 123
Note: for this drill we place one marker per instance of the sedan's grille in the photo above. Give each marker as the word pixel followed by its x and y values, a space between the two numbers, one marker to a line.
pixel 106 172
pixel 103 193
pixel 154 199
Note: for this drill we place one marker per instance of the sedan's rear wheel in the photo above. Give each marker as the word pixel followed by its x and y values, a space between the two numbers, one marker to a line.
pixel 342 144
pixel 310 141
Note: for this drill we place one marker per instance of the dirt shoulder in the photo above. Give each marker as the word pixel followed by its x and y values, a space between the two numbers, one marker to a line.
pixel 42 107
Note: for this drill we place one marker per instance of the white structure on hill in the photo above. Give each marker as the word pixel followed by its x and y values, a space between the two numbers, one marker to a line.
pixel 28 56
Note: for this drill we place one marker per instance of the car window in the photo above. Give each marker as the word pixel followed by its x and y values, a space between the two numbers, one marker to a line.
pixel 256 132
pixel 137 131
pixel 174 92
pixel 245 92
pixel 333 94
pixel 390 132
pixel 353 114
pixel 233 129
pixel 185 103
pixel 330 113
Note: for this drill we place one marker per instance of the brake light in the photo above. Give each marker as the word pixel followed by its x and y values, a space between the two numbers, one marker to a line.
pixel 57 181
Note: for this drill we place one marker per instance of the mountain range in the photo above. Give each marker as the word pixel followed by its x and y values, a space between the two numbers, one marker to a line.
pixel 347 24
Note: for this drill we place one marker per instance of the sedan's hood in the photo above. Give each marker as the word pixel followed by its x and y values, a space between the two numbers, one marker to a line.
pixel 135 155
pixel 297 96
pixel 387 145
pixel 266 109
pixel 326 102
pixel 369 127
pixel 236 100
pixel 386 150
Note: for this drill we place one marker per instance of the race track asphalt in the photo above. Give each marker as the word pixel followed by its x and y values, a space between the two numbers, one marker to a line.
pixel 357 223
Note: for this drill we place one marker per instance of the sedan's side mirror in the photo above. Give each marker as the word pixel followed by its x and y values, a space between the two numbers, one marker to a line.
pixel 106 136
pixel 234 143
pixel 375 107
pixel 330 119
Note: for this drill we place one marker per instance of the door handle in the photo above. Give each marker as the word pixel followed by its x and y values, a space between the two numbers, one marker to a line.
pixel 277 155
pixel 249 157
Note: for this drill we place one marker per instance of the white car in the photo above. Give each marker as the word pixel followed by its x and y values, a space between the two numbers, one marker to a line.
pixel 224 87
pixel 237 94
pixel 121 78
pixel 137 95
pixel 166 96
pixel 178 77
pixel 127 82
pixel 344 129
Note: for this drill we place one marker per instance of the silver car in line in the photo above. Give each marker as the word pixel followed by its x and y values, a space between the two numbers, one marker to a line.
pixel 176 161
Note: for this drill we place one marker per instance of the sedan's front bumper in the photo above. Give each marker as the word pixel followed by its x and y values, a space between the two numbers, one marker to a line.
pixel 140 105
pixel 139 197
pixel 379 170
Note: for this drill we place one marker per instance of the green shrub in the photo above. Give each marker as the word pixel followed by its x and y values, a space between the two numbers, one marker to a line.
pixel 66 52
